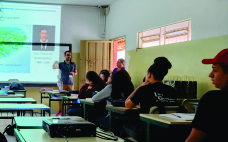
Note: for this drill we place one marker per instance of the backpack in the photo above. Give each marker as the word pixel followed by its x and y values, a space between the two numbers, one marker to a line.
pixel 16 86
pixel 10 129
pixel 3 138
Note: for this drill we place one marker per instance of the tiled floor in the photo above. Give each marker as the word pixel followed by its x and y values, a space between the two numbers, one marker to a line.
pixel 6 122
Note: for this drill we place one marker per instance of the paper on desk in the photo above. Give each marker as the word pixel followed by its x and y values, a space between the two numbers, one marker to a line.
pixel 183 116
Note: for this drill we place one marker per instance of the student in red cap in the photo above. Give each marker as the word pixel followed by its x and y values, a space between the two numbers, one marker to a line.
pixel 210 122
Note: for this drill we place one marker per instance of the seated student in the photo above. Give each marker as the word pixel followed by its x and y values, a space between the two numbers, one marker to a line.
pixel 120 88
pixel 93 83
pixel 120 65
pixel 104 75
pixel 109 78
pixel 150 93
pixel 209 124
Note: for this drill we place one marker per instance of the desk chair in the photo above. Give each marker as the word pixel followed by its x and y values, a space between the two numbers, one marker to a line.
pixel 190 108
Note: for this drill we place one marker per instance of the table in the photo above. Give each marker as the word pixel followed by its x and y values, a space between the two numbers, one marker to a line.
pixel 24 91
pixel 86 103
pixel 12 96
pixel 161 121
pixel 51 94
pixel 32 122
pixel 17 100
pixel 120 110
pixel 65 102
pixel 39 135
pixel 24 107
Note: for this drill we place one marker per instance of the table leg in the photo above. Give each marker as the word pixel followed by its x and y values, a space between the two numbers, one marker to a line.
pixel 84 110
pixel 110 121
pixel 50 101
pixel 41 102
pixel 44 113
pixel 148 132
pixel 63 109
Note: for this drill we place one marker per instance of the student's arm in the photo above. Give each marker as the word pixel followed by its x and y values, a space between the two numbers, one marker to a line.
pixel 55 65
pixel 82 91
pixel 201 122
pixel 196 136
pixel 103 94
pixel 128 102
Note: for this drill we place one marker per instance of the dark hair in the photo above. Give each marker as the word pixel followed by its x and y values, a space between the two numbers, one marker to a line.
pixel 121 83
pixel 94 77
pixel 224 67
pixel 160 68
pixel 106 74
pixel 144 79
pixel 66 52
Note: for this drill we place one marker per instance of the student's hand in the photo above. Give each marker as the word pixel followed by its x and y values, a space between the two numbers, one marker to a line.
pixel 89 87
pixel 145 83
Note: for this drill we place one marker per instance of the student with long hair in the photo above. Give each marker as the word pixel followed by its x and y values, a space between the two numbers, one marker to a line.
pixel 209 124
pixel 120 88
pixel 104 75
pixel 93 83
pixel 150 93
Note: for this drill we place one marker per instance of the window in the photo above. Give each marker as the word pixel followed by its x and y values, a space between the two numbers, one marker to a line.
pixel 172 33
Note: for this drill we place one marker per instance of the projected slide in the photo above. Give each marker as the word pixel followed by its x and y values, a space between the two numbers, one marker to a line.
pixel 29 23
pixel 11 60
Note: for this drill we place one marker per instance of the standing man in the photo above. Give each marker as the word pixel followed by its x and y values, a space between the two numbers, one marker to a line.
pixel 68 70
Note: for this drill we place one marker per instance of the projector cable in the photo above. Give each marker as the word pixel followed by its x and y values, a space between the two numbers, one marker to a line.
pixel 62 136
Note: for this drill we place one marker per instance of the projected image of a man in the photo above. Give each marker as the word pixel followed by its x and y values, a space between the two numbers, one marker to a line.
pixel 44 36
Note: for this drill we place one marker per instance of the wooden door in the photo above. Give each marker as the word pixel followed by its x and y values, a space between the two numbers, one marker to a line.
pixel 95 56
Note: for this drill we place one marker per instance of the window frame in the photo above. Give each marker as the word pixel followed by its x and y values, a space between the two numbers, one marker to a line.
pixel 163 35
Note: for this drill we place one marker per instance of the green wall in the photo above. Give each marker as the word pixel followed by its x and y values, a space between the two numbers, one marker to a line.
pixel 185 57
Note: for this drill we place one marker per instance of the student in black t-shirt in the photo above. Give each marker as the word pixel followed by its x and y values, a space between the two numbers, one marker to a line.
pixel 151 93
pixel 210 122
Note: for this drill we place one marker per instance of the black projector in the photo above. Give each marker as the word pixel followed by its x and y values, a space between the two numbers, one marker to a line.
pixel 69 127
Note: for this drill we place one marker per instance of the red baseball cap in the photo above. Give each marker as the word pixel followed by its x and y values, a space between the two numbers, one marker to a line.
pixel 221 57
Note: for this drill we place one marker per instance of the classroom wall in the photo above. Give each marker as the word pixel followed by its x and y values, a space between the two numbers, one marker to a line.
pixel 80 23
pixel 127 17
pixel 209 35
pixel 185 57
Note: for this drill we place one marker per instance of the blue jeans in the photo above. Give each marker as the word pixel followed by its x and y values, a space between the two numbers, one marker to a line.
pixel 74 110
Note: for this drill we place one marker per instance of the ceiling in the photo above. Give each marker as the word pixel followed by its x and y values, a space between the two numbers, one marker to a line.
pixel 66 2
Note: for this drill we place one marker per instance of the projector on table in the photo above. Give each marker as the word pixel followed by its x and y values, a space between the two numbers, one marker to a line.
pixel 69 127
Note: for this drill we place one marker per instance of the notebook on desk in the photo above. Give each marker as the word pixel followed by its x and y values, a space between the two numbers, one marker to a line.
pixel 182 116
